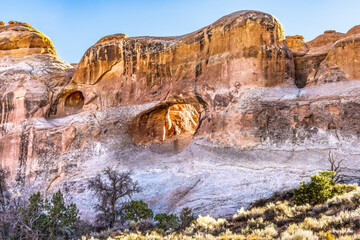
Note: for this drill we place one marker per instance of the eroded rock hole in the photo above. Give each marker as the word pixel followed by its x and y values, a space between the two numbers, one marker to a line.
pixel 166 128
pixel 180 119
pixel 74 102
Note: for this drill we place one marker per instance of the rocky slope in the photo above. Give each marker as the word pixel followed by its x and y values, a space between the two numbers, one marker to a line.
pixel 212 120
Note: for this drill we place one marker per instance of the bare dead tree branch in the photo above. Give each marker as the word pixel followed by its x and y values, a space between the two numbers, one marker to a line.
pixel 113 189
pixel 335 166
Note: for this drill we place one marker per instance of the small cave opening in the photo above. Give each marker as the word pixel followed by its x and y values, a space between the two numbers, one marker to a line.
pixel 74 102
pixel 166 128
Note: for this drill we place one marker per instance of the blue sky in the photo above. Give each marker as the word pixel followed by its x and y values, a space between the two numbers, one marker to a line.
pixel 74 26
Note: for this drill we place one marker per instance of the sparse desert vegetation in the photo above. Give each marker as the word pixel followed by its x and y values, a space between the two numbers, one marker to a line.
pixel 322 208
pixel 335 218
pixel 319 209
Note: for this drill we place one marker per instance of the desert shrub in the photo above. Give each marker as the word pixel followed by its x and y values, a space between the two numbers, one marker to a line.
pixel 344 219
pixel 243 214
pixel 299 234
pixel 186 217
pixel 315 225
pixel 318 190
pixel 286 195
pixel 355 198
pixel 137 210
pixel 85 228
pixel 329 236
pixel 166 222
pixel 240 215
pixel 283 212
pixel 47 219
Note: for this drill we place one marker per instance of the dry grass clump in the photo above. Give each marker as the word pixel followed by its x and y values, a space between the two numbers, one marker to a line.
pixel 208 225
pixel 296 233
pixel 337 218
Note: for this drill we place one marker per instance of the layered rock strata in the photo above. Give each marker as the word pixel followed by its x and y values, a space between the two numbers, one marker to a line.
pixel 211 120
pixel 32 78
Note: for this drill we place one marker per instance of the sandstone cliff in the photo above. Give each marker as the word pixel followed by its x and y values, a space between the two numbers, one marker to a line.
pixel 316 61
pixel 210 120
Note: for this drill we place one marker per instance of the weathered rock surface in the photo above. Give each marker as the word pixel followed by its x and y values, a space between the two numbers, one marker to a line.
pixel 244 49
pixel 31 79
pixel 175 123
pixel 307 62
pixel 211 120
pixel 297 45
pixel 323 59
pixel 353 30
pixel 20 39
pixel 342 62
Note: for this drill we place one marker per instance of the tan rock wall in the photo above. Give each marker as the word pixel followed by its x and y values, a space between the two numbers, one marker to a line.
pixel 243 49
pixel 331 57
pixel 342 62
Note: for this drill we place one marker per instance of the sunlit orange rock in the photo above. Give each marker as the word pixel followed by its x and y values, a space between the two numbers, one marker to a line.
pixel 325 41
pixel 244 49
pixel 307 62
pixel 297 45
pixel 19 39
pixel 342 62
pixel 353 30
pixel 174 124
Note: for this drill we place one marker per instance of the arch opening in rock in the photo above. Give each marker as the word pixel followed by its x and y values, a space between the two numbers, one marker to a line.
pixel 74 102
pixel 166 128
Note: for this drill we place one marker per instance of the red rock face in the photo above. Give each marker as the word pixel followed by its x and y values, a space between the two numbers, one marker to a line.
pixel 297 45
pixel 240 50
pixel 74 102
pixel 198 118
pixel 32 74
pixel 326 61
pixel 342 62
pixel 325 40
pixel 32 77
